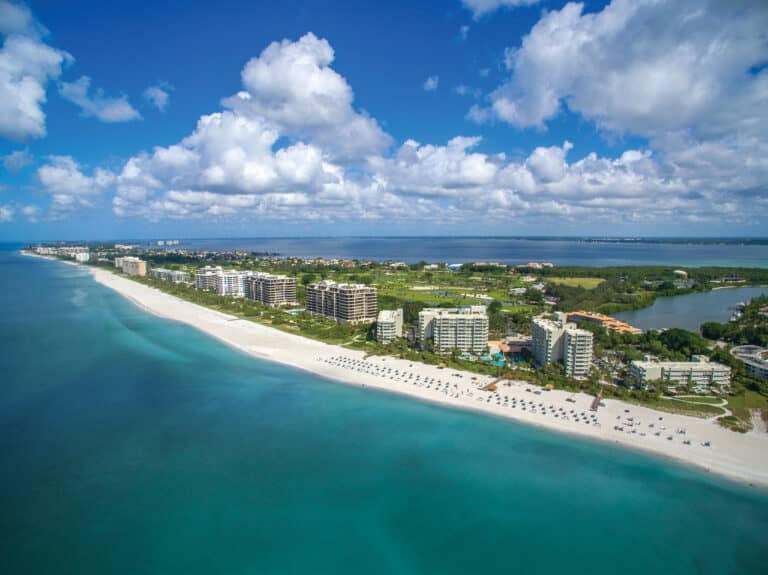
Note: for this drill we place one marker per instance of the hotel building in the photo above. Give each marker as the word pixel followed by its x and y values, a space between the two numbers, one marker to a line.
pixel 269 289
pixel 343 302
pixel 389 325
pixel 606 321
pixel 174 276
pixel 463 329
pixel 557 340
pixel 701 373
pixel 755 359
pixel 131 265
pixel 205 278
pixel 577 352
pixel 230 283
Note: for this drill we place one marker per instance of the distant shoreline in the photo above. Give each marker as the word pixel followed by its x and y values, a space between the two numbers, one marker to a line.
pixel 732 455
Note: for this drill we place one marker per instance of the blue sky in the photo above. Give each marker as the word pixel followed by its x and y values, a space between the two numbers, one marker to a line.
pixel 197 119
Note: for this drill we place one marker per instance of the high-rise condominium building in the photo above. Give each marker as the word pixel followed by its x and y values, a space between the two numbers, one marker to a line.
pixel 270 289
pixel 343 302
pixel 231 283
pixel 557 340
pixel 389 325
pixel 205 278
pixel 577 352
pixel 175 276
pixel 131 265
pixel 463 329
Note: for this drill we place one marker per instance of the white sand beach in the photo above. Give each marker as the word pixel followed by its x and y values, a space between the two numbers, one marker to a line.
pixel 738 456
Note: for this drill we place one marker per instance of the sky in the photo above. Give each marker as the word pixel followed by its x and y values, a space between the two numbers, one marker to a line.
pixel 192 119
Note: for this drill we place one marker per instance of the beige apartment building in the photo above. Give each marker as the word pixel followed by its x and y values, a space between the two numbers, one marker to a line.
pixel 354 303
pixel 131 265
pixel 269 289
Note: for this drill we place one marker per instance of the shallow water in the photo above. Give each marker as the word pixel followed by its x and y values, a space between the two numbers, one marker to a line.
pixel 132 444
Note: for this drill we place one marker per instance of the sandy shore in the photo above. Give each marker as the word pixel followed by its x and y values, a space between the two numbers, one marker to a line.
pixel 738 456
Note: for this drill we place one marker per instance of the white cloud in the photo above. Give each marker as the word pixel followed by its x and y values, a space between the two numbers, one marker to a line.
pixel 26 66
pixel 464 32
pixel 17 160
pixel 687 67
pixel 63 178
pixel 32 213
pixel 431 83
pixel 98 106
pixel 480 8
pixel 292 86
pixel 6 213
pixel 158 95
pixel 268 156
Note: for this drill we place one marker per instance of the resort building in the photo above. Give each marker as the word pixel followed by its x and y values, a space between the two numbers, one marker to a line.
pixel 755 359
pixel 205 278
pixel 557 340
pixel 343 302
pixel 389 325
pixel 606 321
pixel 166 275
pixel 700 373
pixel 270 289
pixel 132 266
pixel 82 257
pixel 230 283
pixel 464 329
pixel 577 352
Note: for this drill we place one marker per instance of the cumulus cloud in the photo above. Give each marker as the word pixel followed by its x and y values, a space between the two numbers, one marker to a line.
pixel 27 64
pixel 98 106
pixel 480 8
pixel 292 85
pixel 688 66
pixel 69 187
pixel 688 76
pixel 17 160
pixel 431 83
pixel 268 154
pixel 158 96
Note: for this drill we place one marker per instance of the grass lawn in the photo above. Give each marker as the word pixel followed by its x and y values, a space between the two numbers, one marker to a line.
pixel 741 404
pixel 700 399
pixel 585 283
pixel 674 406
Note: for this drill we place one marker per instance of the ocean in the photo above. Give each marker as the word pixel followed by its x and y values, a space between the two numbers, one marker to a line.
pixel 132 444
pixel 561 252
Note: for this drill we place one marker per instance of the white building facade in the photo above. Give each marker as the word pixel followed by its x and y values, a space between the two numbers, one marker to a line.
pixel 464 329
pixel 205 278
pixel 701 374
pixel 557 340
pixel 389 325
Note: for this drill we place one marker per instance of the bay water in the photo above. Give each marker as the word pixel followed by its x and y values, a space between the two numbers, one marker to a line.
pixel 507 250
pixel 133 444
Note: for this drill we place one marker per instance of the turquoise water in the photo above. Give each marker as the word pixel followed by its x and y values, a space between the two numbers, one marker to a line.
pixel 691 310
pixel 131 444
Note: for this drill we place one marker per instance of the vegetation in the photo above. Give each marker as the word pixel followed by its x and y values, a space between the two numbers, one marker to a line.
pixel 513 297
pixel 586 283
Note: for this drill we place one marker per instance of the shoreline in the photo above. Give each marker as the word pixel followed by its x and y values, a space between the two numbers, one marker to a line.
pixel 732 455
